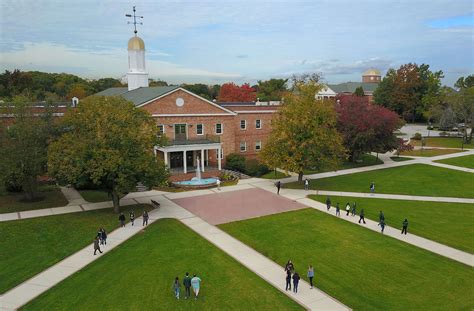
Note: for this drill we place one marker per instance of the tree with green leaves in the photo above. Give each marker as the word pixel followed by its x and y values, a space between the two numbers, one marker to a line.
pixel 304 133
pixel 272 89
pixel 108 142
pixel 24 146
pixel 410 90
pixel 359 91
pixel 465 82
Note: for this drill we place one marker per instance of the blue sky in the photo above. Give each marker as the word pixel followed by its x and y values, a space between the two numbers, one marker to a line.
pixel 240 41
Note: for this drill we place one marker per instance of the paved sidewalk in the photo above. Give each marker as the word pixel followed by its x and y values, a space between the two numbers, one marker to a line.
pixel 418 241
pixel 127 200
pixel 312 299
pixel 73 196
pixel 28 290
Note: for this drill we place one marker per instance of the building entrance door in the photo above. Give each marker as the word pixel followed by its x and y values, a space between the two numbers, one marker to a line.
pixel 189 159
pixel 176 159
pixel 180 132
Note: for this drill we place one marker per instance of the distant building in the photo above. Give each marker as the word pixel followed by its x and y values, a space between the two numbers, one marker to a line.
pixel 370 80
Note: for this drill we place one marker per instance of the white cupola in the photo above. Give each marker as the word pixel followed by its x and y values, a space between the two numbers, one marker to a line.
pixel 136 75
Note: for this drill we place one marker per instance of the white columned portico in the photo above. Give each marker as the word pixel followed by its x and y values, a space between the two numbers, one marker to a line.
pixel 165 155
pixel 219 159
pixel 202 160
pixel 185 169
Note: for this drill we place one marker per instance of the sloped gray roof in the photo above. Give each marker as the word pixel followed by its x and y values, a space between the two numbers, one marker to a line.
pixel 350 87
pixel 140 95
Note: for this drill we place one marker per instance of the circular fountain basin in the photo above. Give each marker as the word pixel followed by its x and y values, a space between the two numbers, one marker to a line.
pixel 197 183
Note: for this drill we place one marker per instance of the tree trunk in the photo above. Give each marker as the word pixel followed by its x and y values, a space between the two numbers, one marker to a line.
pixel 30 189
pixel 300 176
pixel 116 201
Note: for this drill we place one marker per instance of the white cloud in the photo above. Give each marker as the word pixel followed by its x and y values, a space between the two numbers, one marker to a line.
pixel 95 64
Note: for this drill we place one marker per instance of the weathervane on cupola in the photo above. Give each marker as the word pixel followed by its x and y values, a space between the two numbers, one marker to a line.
pixel 137 76
pixel 134 20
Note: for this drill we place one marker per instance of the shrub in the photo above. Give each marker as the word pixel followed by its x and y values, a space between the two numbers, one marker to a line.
pixel 12 184
pixel 417 136
pixel 235 162
pixel 255 168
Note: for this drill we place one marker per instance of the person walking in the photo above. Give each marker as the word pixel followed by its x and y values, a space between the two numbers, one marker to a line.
pixel 132 217
pixel 99 235
pixel 145 218
pixel 278 185
pixel 338 210
pixel 103 237
pixel 405 226
pixel 122 220
pixel 381 216
pixel 296 280
pixel 187 286
pixel 176 287
pixel 310 275
pixel 348 208
pixel 372 187
pixel 306 184
pixel 362 216
pixel 218 183
pixel 289 266
pixel 382 225
pixel 288 280
pixel 328 203
pixel 354 209
pixel 196 284
pixel 96 245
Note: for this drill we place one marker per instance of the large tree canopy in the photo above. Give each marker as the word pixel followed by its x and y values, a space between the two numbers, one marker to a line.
pixel 304 133
pixel 109 142
pixel 23 146
pixel 409 90
pixel 366 127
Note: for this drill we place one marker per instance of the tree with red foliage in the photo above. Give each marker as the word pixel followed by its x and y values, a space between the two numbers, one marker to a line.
pixel 366 127
pixel 402 147
pixel 231 92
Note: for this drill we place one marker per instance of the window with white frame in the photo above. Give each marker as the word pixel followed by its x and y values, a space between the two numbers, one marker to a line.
pixel 161 129
pixel 258 124
pixel 258 145
pixel 219 128
pixel 199 129
pixel 221 154
pixel 243 124
pixel 243 146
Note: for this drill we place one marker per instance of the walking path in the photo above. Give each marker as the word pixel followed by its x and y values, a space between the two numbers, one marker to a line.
pixel 312 299
pixel 73 196
pixel 432 246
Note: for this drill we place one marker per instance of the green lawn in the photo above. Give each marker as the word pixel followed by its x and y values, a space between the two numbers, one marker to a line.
pixel 138 275
pixel 446 142
pixel 13 202
pixel 400 159
pixel 429 152
pixel 29 246
pixel 365 160
pixel 446 223
pixel 362 268
pixel 95 195
pixel 274 175
pixel 465 161
pixel 414 179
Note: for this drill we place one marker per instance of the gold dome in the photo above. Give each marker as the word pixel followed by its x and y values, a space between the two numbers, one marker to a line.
pixel 136 43
pixel 372 72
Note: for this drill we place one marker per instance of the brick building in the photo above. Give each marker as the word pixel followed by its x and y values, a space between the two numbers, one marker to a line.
pixel 197 128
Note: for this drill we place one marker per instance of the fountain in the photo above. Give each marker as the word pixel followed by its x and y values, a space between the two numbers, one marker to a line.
pixel 197 182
